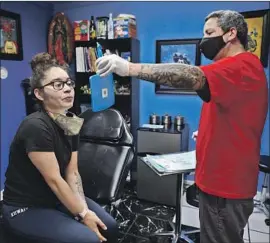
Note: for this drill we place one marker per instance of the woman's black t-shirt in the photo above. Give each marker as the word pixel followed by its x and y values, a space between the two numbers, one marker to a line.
pixel 24 185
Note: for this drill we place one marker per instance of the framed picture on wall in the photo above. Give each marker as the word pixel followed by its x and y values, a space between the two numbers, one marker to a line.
pixel 177 51
pixel 258 33
pixel 10 36
pixel 60 38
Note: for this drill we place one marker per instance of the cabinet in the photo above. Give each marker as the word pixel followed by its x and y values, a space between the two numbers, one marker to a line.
pixel 126 88
pixel 158 141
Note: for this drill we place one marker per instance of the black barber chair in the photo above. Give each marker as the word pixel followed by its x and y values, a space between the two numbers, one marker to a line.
pixel 105 155
pixel 30 99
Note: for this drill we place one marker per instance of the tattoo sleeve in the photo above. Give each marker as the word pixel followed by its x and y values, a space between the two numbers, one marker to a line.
pixel 75 182
pixel 175 75
pixel 79 185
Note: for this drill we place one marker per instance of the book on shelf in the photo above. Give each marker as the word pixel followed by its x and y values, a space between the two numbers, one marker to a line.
pixel 85 59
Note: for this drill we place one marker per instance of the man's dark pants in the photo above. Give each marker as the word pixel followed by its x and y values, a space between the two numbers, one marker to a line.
pixel 223 220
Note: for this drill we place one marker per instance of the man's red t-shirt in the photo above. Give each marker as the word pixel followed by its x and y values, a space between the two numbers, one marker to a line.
pixel 231 125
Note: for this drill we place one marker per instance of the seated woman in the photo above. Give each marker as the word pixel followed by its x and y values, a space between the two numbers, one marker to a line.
pixel 43 195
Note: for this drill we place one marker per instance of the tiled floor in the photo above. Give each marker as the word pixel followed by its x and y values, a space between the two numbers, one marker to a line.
pixel 138 219
pixel 259 231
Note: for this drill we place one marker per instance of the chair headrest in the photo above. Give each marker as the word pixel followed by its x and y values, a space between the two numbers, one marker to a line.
pixel 105 125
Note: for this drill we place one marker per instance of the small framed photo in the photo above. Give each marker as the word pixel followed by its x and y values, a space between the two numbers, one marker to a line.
pixel 177 51
pixel 10 36
pixel 258 33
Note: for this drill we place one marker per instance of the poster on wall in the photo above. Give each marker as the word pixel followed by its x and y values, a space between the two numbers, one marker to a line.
pixel 61 39
pixel 258 33
pixel 10 36
pixel 184 51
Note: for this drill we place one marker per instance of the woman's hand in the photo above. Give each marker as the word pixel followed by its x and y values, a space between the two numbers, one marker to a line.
pixel 92 221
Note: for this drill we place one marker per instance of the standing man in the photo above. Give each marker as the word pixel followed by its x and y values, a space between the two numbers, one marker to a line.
pixel 235 94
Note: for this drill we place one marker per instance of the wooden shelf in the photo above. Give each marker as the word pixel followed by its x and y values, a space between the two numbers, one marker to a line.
pixel 85 73
pixel 126 104
pixel 115 76
pixel 106 42
pixel 121 44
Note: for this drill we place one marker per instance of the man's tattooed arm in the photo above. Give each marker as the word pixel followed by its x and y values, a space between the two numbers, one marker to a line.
pixel 175 75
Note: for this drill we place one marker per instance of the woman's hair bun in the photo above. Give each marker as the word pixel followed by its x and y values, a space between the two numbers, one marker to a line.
pixel 41 60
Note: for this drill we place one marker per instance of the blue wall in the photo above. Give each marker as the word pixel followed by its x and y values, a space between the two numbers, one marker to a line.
pixel 179 20
pixel 165 20
pixel 34 19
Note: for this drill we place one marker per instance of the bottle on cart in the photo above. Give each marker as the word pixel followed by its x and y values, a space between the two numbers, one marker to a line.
pixel 110 27
pixel 92 29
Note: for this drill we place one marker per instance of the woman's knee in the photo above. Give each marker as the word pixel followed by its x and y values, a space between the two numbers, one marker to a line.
pixel 105 217
pixel 112 225
pixel 112 228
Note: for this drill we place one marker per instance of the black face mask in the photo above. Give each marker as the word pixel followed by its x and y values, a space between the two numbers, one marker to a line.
pixel 211 46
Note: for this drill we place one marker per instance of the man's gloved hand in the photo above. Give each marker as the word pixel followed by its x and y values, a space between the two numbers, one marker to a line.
pixel 195 135
pixel 112 64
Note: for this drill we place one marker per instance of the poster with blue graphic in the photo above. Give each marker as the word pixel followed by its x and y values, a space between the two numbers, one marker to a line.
pixel 177 51
pixel 185 54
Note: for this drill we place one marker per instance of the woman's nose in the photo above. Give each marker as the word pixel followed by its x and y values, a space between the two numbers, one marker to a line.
pixel 67 88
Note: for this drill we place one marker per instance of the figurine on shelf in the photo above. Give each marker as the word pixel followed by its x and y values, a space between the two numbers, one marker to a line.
pixel 92 29
pixel 85 89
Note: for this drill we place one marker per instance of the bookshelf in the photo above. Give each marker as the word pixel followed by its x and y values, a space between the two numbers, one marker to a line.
pixel 126 88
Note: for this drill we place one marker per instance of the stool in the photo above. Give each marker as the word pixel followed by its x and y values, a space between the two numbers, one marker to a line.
pixel 263 203
pixel 192 198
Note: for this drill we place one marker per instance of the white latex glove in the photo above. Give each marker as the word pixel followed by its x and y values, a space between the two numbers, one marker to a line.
pixel 112 64
pixel 195 135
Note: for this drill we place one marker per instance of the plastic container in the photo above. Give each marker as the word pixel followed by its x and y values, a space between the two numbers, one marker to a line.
pixel 102 27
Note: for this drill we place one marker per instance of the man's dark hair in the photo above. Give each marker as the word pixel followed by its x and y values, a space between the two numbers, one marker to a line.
pixel 227 19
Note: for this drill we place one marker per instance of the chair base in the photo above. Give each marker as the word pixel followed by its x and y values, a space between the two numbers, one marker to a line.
pixel 263 207
pixel 176 237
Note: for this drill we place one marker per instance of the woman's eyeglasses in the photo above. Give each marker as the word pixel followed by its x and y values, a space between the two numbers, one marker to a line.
pixel 59 84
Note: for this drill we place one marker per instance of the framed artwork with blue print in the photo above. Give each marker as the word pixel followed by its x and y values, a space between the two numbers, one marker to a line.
pixel 177 51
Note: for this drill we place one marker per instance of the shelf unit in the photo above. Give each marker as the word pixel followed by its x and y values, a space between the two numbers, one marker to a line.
pixel 127 104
